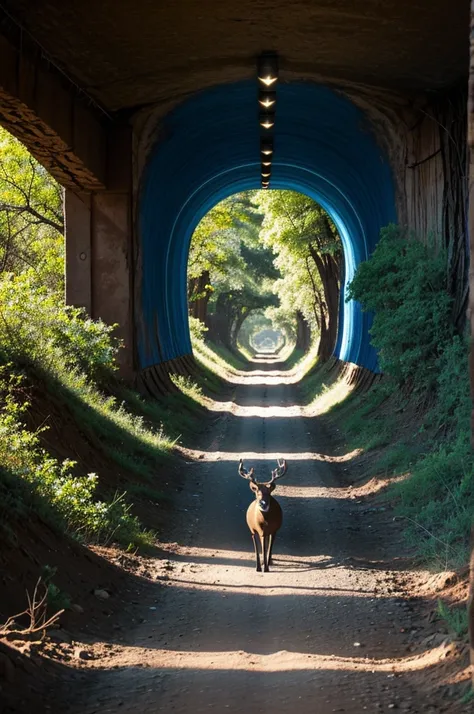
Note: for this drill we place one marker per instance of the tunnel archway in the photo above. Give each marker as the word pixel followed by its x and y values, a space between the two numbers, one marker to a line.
pixel 324 147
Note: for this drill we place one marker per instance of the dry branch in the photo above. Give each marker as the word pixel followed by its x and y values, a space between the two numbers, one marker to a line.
pixel 36 611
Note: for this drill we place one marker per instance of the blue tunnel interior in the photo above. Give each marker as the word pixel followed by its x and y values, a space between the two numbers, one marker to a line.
pixel 324 147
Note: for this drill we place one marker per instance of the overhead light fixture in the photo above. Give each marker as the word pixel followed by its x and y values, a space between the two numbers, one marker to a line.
pixel 267 99
pixel 267 121
pixel 267 74
pixel 266 147
pixel 267 69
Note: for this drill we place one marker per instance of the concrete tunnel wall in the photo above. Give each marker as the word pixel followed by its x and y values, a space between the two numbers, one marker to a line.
pixel 324 147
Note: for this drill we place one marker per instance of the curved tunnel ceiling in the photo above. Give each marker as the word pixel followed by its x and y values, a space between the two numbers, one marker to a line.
pixel 324 147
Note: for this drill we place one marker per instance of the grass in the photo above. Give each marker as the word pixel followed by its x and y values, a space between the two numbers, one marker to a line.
pixel 468 697
pixel 456 618
pixel 435 497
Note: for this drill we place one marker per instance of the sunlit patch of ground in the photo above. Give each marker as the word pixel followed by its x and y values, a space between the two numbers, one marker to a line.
pixel 211 456
pixel 282 661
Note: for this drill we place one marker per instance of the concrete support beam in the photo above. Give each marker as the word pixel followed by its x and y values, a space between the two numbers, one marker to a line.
pixel 78 229
pixel 50 116
pixel 112 271
pixel 99 258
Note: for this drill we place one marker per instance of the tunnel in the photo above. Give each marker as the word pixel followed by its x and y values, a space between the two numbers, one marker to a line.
pixel 324 148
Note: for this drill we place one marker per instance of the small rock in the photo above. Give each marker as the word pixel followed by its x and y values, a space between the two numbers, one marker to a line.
pixel 101 594
pixel 77 608
pixel 82 654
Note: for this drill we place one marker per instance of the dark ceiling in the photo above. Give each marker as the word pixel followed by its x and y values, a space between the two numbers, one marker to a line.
pixel 130 53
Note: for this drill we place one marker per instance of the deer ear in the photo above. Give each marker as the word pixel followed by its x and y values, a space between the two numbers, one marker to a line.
pixel 253 486
pixel 271 486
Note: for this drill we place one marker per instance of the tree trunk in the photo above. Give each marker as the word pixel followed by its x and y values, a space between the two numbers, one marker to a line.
pixel 324 347
pixel 303 333
pixel 328 269
pixel 198 296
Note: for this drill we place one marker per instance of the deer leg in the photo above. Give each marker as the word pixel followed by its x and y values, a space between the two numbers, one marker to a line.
pixel 257 555
pixel 270 548
pixel 265 553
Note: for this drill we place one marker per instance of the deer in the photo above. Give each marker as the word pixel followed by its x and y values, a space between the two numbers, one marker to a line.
pixel 264 515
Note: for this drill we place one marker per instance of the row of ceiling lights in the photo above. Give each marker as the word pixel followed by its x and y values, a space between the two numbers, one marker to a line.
pixel 267 73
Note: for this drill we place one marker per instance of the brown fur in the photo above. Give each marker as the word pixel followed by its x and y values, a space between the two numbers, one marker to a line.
pixel 264 526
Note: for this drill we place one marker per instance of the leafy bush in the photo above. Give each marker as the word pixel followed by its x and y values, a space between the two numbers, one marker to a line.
pixel 455 618
pixel 63 497
pixel 197 328
pixel 404 284
pixel 36 326
pixel 453 404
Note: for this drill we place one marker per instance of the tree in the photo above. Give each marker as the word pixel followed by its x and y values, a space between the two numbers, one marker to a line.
pixel 229 271
pixel 31 216
pixel 309 253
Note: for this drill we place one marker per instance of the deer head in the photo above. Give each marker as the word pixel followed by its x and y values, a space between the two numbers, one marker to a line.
pixel 263 491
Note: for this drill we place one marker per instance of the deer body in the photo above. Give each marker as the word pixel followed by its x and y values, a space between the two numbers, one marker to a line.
pixel 264 515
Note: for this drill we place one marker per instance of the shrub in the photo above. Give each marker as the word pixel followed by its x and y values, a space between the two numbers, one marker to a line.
pixel 404 284
pixel 36 326
pixel 62 497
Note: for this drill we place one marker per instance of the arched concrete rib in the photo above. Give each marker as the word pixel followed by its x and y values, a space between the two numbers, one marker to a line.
pixel 324 147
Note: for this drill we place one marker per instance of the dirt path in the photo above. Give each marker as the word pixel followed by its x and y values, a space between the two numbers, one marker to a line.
pixel 325 631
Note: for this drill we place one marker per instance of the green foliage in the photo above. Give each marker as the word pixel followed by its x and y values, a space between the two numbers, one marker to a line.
pixel 455 618
pixel 31 217
pixel 404 284
pixel 468 696
pixel 188 386
pixel 197 328
pixel 452 410
pixel 61 496
pixel 437 500
pixel 56 598
pixel 36 327
pixel 297 230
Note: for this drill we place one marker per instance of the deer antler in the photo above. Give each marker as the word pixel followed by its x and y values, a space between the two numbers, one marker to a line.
pixel 244 473
pixel 280 471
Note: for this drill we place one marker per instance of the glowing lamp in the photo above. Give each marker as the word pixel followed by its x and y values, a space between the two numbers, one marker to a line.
pixel 266 121
pixel 267 99
pixel 267 69
pixel 266 147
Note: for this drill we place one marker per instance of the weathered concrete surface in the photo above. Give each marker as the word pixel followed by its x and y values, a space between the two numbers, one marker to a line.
pixel 77 214
pixel 48 114
pixel 98 263
pixel 142 52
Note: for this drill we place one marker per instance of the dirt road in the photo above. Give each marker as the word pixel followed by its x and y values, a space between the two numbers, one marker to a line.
pixel 326 631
